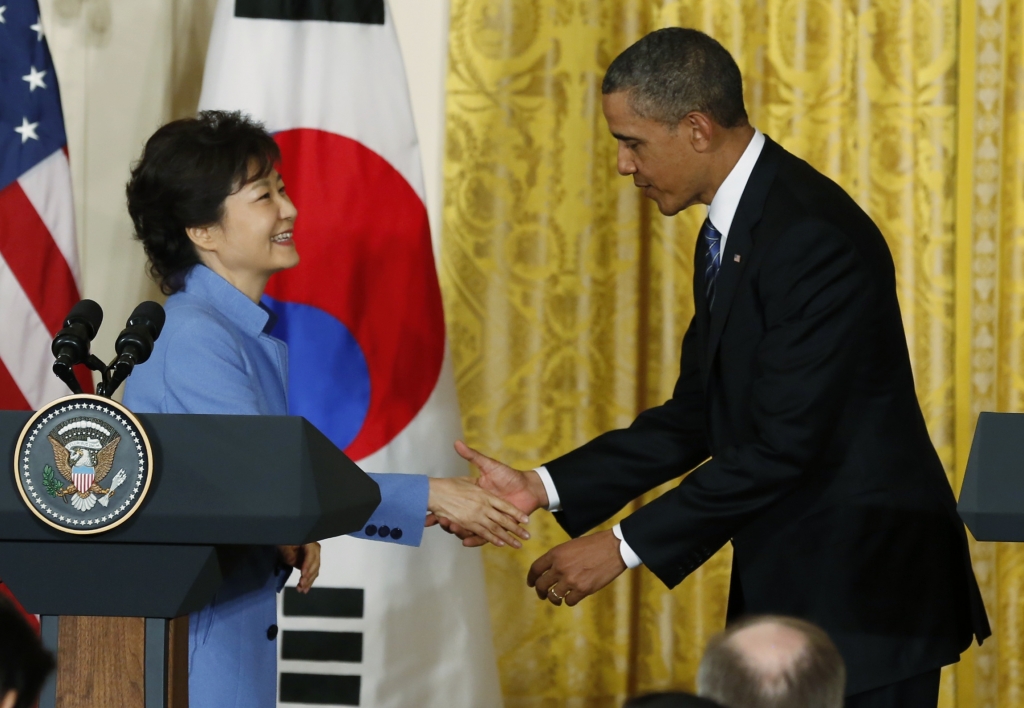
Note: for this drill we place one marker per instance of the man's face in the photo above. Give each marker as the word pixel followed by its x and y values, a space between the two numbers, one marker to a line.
pixel 662 160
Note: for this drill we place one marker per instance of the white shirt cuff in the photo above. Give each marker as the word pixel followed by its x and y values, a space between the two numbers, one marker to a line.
pixel 554 503
pixel 631 559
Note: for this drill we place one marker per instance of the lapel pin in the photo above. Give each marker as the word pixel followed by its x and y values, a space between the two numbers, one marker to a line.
pixel 736 258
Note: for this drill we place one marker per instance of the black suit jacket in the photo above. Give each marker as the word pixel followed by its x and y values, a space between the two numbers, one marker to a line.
pixel 798 388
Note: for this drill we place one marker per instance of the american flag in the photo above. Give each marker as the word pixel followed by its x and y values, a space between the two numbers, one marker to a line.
pixel 39 268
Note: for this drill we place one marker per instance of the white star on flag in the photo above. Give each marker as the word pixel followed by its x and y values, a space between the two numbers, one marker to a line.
pixel 34 79
pixel 3 9
pixel 38 28
pixel 27 131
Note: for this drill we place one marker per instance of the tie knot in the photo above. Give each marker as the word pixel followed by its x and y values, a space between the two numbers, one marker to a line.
pixel 710 232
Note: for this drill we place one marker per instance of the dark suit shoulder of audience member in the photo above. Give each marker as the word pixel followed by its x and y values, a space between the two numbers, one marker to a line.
pixel 24 663
pixel 670 699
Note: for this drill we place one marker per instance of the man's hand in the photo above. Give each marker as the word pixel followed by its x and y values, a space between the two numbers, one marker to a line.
pixel 576 568
pixel 306 559
pixel 521 488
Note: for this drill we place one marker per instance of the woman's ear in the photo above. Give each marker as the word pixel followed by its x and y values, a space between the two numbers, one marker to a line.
pixel 202 237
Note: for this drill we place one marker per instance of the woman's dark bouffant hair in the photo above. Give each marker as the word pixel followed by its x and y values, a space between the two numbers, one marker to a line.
pixel 187 169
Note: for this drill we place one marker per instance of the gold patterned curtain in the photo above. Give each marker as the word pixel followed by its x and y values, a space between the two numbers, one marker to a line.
pixel 567 295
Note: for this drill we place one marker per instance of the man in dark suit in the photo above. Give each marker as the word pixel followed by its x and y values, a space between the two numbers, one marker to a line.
pixel 795 405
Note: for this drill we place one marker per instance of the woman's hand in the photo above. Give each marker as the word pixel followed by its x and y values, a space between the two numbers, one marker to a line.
pixel 461 501
pixel 306 559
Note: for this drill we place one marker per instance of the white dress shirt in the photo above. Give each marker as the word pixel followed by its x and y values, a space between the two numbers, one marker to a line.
pixel 722 209
pixel 721 213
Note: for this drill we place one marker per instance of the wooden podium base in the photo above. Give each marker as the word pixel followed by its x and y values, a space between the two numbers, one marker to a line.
pixel 133 662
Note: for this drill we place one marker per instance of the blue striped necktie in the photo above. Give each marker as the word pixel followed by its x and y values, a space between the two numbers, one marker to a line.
pixel 712 258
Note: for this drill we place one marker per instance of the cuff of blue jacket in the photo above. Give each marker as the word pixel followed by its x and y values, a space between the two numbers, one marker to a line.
pixel 402 511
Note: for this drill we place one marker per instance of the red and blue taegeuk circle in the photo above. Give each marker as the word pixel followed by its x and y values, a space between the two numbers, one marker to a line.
pixel 361 313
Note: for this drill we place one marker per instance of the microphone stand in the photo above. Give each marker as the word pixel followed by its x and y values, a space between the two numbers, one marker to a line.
pixel 66 374
pixel 96 364
pixel 113 375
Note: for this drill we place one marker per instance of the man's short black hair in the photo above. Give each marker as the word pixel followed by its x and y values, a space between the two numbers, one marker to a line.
pixel 187 169
pixel 24 663
pixel 676 70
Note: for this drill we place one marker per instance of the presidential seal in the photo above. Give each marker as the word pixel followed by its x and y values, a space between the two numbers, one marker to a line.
pixel 83 464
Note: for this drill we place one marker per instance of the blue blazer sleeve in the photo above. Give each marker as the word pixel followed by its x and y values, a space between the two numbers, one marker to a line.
pixel 402 511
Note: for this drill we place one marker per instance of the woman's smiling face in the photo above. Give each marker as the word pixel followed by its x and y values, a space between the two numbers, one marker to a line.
pixel 253 239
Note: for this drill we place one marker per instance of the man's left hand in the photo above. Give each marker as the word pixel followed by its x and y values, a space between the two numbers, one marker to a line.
pixel 576 568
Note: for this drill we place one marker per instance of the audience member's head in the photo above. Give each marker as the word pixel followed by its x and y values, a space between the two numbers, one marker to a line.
pixel 24 664
pixel 670 699
pixel 772 662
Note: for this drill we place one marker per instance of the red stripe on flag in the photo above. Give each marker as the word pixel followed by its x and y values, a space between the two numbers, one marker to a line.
pixel 84 377
pixel 35 260
pixel 11 397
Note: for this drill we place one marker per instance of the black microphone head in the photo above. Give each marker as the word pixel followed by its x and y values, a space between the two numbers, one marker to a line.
pixel 137 338
pixel 87 313
pixel 150 315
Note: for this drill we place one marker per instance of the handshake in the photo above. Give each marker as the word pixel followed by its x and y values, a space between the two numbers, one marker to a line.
pixel 489 508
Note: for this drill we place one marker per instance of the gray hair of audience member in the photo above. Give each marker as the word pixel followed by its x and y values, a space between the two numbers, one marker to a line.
pixel 674 71
pixel 670 699
pixel 772 662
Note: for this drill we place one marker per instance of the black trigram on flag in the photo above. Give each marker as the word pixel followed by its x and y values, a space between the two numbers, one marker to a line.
pixel 366 12
pixel 317 645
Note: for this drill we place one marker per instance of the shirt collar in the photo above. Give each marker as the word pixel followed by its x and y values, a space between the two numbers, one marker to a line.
pixel 723 207
pixel 254 318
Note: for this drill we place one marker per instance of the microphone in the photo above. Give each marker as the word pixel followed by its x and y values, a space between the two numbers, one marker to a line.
pixel 71 345
pixel 135 343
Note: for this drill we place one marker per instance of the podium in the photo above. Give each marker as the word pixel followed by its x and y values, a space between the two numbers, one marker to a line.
pixel 220 483
pixel 992 496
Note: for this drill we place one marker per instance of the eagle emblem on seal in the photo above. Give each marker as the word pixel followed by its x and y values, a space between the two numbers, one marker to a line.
pixel 83 451
pixel 98 464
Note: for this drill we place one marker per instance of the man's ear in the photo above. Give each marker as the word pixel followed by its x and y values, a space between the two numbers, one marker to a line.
pixel 700 129
pixel 201 236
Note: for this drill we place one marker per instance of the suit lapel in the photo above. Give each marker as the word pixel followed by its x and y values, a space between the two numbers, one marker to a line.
pixel 740 242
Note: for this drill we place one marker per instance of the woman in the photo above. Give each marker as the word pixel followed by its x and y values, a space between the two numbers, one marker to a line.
pixel 213 216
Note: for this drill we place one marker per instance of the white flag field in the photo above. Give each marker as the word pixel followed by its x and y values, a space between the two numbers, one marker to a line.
pixel 386 626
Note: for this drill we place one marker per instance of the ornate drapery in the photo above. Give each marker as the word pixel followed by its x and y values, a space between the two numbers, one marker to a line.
pixel 567 294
